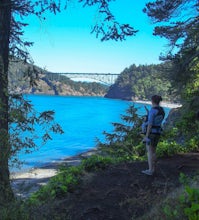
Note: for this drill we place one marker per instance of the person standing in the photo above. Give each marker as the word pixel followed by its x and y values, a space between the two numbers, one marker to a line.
pixel 153 131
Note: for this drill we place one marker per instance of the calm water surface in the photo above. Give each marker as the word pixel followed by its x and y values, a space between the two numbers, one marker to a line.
pixel 82 119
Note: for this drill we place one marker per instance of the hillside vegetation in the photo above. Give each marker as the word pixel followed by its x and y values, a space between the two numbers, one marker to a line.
pixel 141 82
pixel 49 83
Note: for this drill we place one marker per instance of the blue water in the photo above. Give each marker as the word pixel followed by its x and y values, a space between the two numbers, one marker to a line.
pixel 83 119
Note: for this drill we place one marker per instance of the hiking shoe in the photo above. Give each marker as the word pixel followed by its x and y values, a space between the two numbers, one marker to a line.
pixel 148 172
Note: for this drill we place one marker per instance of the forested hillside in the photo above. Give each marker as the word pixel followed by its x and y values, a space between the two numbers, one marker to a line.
pixel 141 82
pixel 49 83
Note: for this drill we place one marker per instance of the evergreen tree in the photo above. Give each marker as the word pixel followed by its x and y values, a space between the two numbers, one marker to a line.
pixel 124 141
pixel 179 23
pixel 12 16
pixel 141 82
pixel 5 24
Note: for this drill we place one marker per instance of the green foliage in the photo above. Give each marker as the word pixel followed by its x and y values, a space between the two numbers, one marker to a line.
pixel 65 181
pixel 170 212
pixel 181 31
pixel 97 162
pixel 124 142
pixel 188 126
pixel 173 142
pixel 15 210
pixel 80 87
pixel 190 202
pixel 181 203
pixel 168 148
pixel 179 24
pixel 183 73
pixel 182 135
pixel 24 122
pixel 22 75
pixel 141 82
pixel 189 199
pixel 184 180
pixel 187 206
pixel 47 82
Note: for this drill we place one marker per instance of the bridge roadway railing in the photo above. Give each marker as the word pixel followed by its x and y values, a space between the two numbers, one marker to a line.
pixel 107 78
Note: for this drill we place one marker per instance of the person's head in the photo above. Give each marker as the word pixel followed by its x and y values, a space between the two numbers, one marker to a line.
pixel 156 99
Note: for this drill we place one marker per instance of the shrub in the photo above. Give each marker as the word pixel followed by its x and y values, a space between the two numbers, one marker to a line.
pixel 190 203
pixel 65 181
pixel 125 142
pixel 189 199
pixel 14 211
pixel 182 203
pixel 168 148
pixel 97 162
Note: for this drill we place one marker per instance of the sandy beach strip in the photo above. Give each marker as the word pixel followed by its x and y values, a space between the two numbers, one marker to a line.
pixel 163 104
pixel 27 182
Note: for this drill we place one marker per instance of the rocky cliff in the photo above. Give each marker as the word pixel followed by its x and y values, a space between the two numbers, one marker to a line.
pixel 49 83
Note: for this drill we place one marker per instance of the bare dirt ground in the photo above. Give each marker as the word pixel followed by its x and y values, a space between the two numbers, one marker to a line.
pixel 121 192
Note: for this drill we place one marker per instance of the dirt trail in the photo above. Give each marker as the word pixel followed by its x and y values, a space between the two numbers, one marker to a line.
pixel 122 192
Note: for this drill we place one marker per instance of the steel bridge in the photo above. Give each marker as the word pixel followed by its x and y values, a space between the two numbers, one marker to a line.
pixel 104 78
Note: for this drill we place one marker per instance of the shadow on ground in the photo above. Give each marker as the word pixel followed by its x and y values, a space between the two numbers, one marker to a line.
pixel 121 192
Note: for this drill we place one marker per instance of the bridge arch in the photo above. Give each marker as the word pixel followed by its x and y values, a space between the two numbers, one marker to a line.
pixel 104 78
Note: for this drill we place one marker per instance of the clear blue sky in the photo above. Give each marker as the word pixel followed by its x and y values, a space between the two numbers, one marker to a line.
pixel 63 43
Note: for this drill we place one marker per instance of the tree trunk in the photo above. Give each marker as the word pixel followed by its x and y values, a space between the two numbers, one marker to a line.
pixel 5 21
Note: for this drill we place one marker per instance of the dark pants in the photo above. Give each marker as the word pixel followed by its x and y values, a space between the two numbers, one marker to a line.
pixel 154 139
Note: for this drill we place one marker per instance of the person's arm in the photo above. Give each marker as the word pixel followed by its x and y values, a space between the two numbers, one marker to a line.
pixel 146 109
pixel 150 123
pixel 149 127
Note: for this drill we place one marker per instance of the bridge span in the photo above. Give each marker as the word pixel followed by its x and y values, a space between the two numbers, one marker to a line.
pixel 105 78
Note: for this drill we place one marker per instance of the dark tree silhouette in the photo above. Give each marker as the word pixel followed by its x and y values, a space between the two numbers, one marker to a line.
pixel 178 21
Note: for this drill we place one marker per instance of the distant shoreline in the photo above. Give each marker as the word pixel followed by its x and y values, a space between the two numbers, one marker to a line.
pixel 163 104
